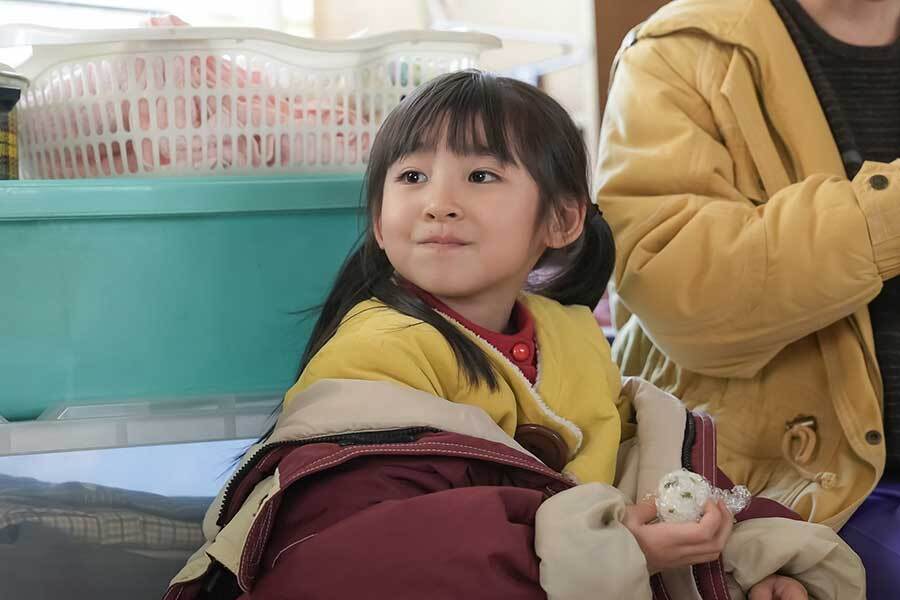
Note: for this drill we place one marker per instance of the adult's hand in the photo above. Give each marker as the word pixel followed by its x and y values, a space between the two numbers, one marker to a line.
pixel 778 587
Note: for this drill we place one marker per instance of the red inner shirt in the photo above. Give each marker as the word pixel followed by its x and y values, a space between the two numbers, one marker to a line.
pixel 519 347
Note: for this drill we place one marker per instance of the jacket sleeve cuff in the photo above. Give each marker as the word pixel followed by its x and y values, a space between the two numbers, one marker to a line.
pixel 877 187
pixel 585 550
pixel 813 554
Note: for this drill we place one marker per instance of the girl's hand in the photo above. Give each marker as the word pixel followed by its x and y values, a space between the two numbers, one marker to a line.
pixel 670 545
pixel 778 587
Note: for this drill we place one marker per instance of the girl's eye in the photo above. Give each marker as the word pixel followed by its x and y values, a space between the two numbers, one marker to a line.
pixel 482 177
pixel 413 177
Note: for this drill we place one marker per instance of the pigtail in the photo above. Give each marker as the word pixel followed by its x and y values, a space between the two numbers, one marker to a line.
pixel 359 273
pixel 357 278
pixel 588 265
pixel 474 365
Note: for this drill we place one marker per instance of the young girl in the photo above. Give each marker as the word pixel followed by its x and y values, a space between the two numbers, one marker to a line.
pixel 461 213
pixel 455 380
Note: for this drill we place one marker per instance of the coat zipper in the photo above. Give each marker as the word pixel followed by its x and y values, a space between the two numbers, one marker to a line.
pixel 690 433
pixel 393 436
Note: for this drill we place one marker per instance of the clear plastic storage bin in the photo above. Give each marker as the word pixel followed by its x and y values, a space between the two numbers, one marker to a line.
pixel 198 101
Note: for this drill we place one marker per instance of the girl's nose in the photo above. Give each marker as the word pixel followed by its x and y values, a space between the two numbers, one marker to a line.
pixel 442 206
pixel 442 213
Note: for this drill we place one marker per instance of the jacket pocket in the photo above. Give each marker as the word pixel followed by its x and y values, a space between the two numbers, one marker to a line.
pixel 754 415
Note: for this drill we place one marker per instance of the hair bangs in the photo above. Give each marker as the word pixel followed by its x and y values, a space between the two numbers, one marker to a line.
pixel 467 115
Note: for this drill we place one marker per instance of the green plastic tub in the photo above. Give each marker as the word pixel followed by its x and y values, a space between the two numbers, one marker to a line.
pixel 162 288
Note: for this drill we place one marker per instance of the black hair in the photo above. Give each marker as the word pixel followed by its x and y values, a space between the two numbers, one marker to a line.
pixel 475 112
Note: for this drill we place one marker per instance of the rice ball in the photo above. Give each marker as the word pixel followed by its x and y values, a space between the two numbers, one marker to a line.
pixel 681 497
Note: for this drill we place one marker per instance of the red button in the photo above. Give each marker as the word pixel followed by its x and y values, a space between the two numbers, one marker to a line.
pixel 521 352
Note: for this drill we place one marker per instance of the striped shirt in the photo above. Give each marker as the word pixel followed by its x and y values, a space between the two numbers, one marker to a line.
pixel 859 90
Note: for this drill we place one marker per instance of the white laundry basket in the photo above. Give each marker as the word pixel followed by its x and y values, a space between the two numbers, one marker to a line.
pixel 181 101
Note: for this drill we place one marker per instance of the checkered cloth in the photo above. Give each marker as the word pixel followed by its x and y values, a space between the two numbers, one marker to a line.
pixel 101 515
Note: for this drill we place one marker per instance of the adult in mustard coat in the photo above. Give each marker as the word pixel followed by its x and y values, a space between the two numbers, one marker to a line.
pixel 749 173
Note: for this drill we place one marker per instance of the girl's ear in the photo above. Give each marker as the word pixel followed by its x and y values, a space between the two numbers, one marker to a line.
pixel 566 224
pixel 376 229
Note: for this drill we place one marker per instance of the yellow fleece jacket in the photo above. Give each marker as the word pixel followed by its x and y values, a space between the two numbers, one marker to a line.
pixel 577 387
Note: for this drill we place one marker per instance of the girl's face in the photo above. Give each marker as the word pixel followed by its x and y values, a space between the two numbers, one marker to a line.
pixel 462 227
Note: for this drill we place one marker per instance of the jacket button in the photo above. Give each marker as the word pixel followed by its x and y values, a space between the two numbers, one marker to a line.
pixel 521 352
pixel 873 437
pixel 879 182
pixel 547 445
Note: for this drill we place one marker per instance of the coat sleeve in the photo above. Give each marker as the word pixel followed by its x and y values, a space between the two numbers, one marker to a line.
pixel 719 282
pixel 813 554
pixel 579 536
